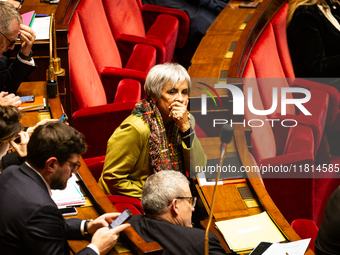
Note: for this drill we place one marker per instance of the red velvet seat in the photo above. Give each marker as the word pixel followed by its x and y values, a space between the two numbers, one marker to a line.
pixel 132 23
pixel 120 202
pixel 298 149
pixel 296 198
pixel 104 88
pixel 306 229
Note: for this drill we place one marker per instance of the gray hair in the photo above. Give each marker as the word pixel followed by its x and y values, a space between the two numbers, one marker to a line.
pixel 7 14
pixel 159 75
pixel 160 189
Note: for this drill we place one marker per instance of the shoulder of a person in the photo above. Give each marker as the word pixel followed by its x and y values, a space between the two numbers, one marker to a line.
pixel 136 122
pixel 307 10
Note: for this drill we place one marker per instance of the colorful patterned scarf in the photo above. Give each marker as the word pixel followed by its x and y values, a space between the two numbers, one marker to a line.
pixel 165 146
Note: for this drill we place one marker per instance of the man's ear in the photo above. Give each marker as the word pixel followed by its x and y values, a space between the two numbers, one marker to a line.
pixel 51 164
pixel 174 207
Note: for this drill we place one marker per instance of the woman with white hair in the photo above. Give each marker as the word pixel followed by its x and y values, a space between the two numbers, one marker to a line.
pixel 158 135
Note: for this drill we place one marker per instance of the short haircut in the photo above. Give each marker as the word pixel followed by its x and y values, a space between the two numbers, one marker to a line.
pixel 159 75
pixel 7 14
pixel 54 139
pixel 9 123
pixel 160 189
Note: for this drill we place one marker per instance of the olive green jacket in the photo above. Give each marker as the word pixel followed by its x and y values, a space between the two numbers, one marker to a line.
pixel 127 158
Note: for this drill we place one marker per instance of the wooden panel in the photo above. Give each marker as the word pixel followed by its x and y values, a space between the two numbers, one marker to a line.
pixel 209 60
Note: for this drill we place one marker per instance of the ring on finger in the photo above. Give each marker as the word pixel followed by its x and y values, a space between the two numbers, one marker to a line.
pixel 174 113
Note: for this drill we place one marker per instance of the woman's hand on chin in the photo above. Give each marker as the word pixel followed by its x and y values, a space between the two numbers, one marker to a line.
pixel 179 113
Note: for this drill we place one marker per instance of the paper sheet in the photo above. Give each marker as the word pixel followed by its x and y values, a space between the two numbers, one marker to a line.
pixel 41 27
pixel 291 248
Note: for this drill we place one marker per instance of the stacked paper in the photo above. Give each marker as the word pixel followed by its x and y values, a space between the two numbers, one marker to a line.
pixel 71 196
pixel 244 234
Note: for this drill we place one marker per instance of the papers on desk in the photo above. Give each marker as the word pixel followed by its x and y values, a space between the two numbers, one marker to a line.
pixel 71 196
pixel 41 27
pixel 244 234
pixel 291 248
pixel 203 181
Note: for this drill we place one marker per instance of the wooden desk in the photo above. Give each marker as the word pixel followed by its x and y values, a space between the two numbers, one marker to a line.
pixel 229 203
pixel 101 204
pixel 210 57
pixel 63 12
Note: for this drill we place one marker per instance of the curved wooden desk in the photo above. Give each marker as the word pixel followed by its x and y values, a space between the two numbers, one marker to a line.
pixel 229 203
pixel 214 60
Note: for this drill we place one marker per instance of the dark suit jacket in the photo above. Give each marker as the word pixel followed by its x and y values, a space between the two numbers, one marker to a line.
pixel 11 77
pixel 173 238
pixel 29 219
pixel 328 238
pixel 314 42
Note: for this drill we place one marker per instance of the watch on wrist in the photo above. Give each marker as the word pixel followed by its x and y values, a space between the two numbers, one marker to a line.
pixel 86 232
pixel 27 58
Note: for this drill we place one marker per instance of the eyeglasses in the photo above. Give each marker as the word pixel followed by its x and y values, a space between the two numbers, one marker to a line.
pixel 11 43
pixel 75 166
pixel 192 200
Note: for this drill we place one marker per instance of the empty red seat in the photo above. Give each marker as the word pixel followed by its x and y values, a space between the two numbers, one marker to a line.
pixel 132 23
pixel 104 88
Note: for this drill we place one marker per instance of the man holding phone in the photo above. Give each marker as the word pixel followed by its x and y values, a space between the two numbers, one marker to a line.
pixel 23 65
pixel 30 220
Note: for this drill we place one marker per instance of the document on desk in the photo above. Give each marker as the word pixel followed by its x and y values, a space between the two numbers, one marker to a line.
pixel 41 27
pixel 291 248
pixel 245 233
pixel 71 196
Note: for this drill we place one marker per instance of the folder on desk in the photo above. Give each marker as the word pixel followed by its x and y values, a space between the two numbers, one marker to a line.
pixel 71 196
pixel 38 104
pixel 244 234
pixel 28 18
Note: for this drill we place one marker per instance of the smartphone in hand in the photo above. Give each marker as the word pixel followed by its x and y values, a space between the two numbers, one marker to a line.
pixel 122 218
pixel 63 118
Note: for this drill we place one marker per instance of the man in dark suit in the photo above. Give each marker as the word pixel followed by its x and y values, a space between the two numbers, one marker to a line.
pixel 23 65
pixel 168 206
pixel 30 220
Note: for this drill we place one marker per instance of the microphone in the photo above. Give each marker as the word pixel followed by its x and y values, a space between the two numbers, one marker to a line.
pixel 226 135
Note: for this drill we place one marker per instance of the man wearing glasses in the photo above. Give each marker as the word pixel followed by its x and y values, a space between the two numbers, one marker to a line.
pixel 168 206
pixel 30 220
pixel 23 65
